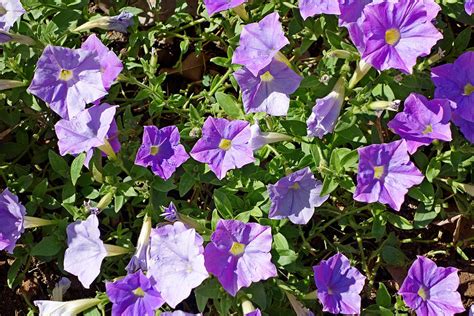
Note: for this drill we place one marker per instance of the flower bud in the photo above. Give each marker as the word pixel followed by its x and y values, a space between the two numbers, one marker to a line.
pixel 360 72
pixel 10 84
pixel 118 23
pixel 54 308
pixel 258 139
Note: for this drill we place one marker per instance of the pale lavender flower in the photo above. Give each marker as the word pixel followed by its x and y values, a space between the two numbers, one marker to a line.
pixel 325 113
pixel 339 285
pixel 176 258
pixel 85 251
pixel 89 129
pixel 134 295
pixel 161 149
pixel 224 145
pixel 239 254
pixel 259 43
pixel 110 64
pixel 312 7
pixel 67 79
pixel 385 174
pixel 10 12
pixel 269 90
pixel 422 121
pixel 214 6
pixel 139 260
pixel 12 218
pixel 295 197
pixel 431 290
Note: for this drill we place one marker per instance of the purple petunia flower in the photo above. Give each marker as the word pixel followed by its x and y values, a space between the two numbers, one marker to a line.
pixel 471 310
pixel 269 90
pixel 170 213
pixel 239 254
pixel 110 64
pixel 326 112
pixel 58 308
pixel 214 6
pixel 67 79
pixel 10 12
pixel 339 285
pixel 259 43
pixel 423 121
pixel 179 313
pixel 256 312
pixel 455 82
pixel 12 217
pixel 469 6
pixel 134 295
pixel 312 7
pixel 295 197
pixel 224 145
pixel 385 174
pixel 176 257
pixel 431 290
pixel 85 251
pixel 121 22
pixel 89 129
pixel 140 258
pixel 161 150
pixel 397 33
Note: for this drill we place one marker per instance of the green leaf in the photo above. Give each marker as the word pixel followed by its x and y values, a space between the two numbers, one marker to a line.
pixel 424 216
pixel 383 296
pixel 229 105
pixel 329 184
pixel 393 256
pixel 47 247
pixel 13 272
pixel 296 128
pixel 433 169
pixel 223 204
pixel 76 167
pixel 398 221
pixel 58 164
pixel 186 182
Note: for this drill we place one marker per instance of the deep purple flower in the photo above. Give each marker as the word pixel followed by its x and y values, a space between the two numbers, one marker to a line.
pixel 134 295
pixel 170 213
pixel 161 150
pixel 269 90
pixel 385 174
pixel 89 129
pixel 256 312
pixel 312 7
pixel 5 37
pixel 176 257
pixel 110 64
pixel 455 82
pixel 469 6
pixel 423 121
pixel 339 285
pixel 224 145
pixel 259 43
pixel 214 6
pixel 295 197
pixel 326 112
pixel 431 290
pixel 397 33
pixel 239 254
pixel 12 216
pixel 67 79
pixel 10 12
pixel 85 251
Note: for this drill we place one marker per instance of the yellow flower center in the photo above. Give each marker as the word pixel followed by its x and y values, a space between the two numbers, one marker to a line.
pixel 3 11
pixel 65 74
pixel 428 129
pixel 378 172
pixel 237 248
pixel 330 292
pixel 266 76
pixel 468 89
pixel 139 292
pixel 295 186
pixel 225 144
pixel 154 150
pixel 422 293
pixel 392 36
